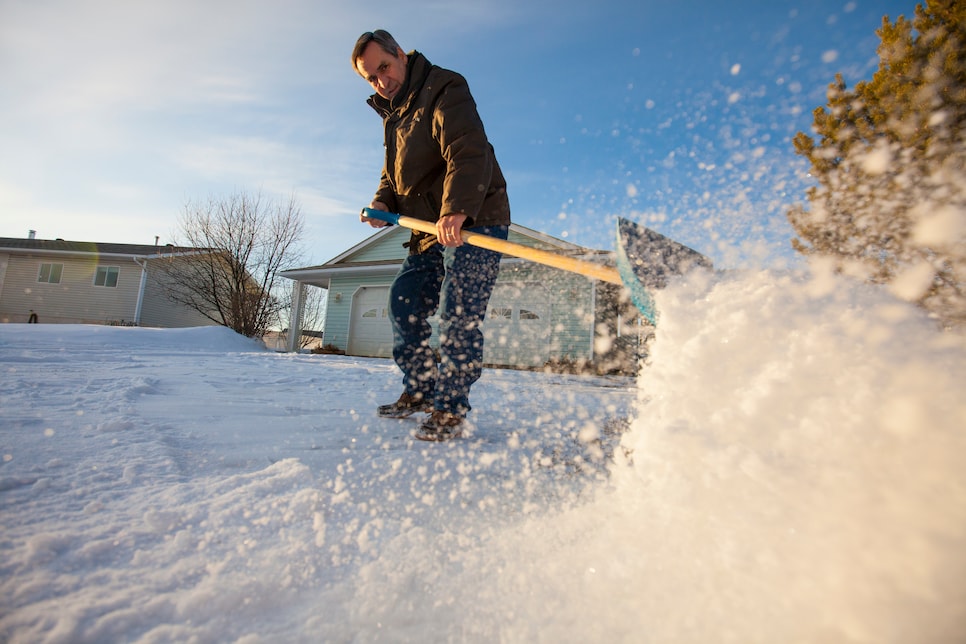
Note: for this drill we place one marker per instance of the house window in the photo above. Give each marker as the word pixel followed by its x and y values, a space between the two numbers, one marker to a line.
pixel 106 276
pixel 50 273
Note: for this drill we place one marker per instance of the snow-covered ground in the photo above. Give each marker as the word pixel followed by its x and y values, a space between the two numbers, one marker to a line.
pixel 793 471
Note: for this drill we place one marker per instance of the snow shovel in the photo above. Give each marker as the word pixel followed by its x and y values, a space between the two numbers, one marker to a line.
pixel 644 257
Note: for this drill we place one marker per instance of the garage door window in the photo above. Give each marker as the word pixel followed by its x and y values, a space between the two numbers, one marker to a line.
pixel 517 326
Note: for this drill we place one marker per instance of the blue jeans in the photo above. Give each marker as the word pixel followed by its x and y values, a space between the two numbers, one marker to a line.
pixel 459 282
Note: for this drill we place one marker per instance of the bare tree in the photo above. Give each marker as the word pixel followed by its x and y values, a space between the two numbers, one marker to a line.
pixel 238 245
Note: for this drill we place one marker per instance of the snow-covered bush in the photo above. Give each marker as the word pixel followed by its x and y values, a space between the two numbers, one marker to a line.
pixel 890 162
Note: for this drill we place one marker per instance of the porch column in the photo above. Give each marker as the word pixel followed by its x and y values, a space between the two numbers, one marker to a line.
pixel 295 317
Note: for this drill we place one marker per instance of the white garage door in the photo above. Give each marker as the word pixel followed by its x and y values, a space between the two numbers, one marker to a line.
pixel 517 325
pixel 370 333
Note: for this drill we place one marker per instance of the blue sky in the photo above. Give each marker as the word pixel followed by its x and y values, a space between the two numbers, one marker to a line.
pixel 679 115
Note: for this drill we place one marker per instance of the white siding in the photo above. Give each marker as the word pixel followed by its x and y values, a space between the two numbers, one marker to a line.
pixel 75 299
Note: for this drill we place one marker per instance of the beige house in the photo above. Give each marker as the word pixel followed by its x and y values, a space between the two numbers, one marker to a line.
pixel 70 282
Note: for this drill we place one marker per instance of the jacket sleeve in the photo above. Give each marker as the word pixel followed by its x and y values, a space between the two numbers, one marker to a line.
pixel 385 193
pixel 465 149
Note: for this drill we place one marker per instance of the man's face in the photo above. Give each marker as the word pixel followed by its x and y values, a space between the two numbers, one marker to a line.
pixel 385 72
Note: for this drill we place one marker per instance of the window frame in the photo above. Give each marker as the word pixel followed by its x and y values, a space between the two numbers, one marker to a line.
pixel 107 271
pixel 51 273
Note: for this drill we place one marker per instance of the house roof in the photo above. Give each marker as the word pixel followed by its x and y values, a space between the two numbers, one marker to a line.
pixel 65 247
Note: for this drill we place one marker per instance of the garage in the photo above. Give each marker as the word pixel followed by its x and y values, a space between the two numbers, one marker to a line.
pixel 370 333
pixel 517 327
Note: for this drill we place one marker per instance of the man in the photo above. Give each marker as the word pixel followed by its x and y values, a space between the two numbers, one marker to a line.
pixel 439 167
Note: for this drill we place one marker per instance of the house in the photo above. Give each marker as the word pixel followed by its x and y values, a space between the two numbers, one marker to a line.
pixel 88 283
pixel 537 315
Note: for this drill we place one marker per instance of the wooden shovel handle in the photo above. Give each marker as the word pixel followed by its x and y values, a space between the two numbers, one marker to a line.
pixel 545 257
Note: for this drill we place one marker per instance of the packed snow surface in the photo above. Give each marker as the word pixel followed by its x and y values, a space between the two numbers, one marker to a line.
pixel 792 471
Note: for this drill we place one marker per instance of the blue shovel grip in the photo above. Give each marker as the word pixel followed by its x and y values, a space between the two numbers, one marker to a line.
pixel 381 215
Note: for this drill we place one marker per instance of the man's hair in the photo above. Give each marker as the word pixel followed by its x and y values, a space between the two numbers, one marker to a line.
pixel 381 37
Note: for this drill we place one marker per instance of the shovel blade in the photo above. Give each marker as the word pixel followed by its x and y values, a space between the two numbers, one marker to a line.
pixel 646 260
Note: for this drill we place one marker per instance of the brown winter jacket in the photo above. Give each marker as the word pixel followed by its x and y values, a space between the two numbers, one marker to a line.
pixel 438 159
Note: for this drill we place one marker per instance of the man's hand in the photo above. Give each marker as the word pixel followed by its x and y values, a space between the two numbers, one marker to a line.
pixel 375 223
pixel 448 229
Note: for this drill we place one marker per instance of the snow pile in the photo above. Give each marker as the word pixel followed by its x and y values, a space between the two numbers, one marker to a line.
pixel 69 337
pixel 802 461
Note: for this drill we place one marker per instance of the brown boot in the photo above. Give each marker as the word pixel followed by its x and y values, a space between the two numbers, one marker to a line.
pixel 406 406
pixel 440 426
